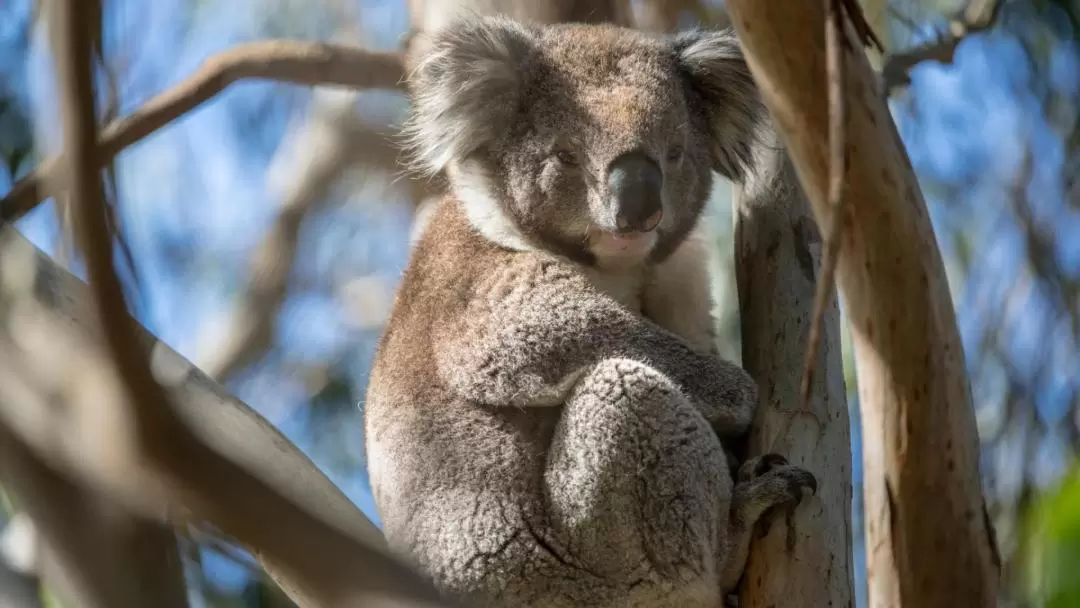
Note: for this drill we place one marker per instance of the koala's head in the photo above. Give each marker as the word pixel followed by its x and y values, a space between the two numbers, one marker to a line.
pixel 594 142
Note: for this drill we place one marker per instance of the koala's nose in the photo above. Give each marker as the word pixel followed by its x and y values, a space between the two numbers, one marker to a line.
pixel 635 184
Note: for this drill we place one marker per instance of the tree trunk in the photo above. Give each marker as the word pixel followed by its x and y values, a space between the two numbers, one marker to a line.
pixel 928 539
pixel 777 252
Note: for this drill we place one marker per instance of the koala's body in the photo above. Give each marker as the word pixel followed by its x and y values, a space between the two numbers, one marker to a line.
pixel 543 426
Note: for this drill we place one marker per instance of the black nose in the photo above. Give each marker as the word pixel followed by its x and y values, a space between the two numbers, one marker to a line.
pixel 635 183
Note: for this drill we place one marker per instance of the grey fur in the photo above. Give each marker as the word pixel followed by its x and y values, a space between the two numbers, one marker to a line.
pixel 465 88
pixel 542 430
pixel 719 75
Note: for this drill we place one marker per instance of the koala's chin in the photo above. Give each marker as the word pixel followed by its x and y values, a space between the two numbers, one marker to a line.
pixel 615 250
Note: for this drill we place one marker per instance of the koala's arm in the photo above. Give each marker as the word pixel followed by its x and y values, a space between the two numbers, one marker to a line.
pixel 536 327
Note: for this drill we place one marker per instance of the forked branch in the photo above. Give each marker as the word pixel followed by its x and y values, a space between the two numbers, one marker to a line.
pixel 978 16
pixel 306 63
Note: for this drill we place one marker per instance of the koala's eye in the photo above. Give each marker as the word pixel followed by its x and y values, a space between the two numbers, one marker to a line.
pixel 674 154
pixel 566 157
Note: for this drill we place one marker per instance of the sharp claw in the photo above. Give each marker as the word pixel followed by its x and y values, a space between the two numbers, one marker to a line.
pixel 769 462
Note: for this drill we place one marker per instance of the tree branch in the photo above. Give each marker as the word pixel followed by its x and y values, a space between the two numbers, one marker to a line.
pixel 332 142
pixel 979 16
pixel 777 261
pixel 58 397
pixel 304 63
pixel 924 502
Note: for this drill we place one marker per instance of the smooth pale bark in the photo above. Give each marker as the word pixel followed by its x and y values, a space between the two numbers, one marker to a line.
pixel 777 257
pixel 218 419
pixel 928 539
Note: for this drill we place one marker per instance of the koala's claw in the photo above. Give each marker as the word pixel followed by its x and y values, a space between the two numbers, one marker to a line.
pixel 780 490
pixel 768 485
pixel 760 465
pixel 798 479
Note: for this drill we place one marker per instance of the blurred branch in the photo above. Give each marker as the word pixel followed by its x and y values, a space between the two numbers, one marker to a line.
pixel 333 140
pixel 94 554
pixel 203 538
pixel 289 61
pixel 67 398
pixel 979 16
pixel 664 15
pixel 60 397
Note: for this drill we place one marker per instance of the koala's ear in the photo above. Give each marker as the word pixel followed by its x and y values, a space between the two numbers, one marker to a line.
pixel 465 82
pixel 713 64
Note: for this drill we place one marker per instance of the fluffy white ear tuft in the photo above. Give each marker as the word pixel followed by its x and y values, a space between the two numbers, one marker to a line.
pixel 714 66
pixel 465 87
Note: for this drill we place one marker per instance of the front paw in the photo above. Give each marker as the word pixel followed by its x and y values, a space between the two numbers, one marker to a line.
pixel 768 481
pixel 760 465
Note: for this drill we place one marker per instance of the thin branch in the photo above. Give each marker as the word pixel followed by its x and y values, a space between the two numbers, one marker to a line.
pixel 203 538
pixel 979 16
pixel 863 30
pixel 305 63
pixel 336 143
pixel 835 43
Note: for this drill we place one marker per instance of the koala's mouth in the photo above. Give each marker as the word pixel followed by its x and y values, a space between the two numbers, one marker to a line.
pixel 630 243
pixel 627 247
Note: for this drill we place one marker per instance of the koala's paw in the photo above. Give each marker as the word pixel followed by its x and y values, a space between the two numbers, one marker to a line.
pixel 759 465
pixel 768 482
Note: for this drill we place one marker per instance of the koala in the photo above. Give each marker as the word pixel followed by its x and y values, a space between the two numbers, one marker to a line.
pixel 542 427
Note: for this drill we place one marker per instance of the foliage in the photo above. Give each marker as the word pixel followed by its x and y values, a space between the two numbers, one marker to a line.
pixel 1052 551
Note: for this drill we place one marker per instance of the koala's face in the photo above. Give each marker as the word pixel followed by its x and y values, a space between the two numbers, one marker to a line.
pixel 594 142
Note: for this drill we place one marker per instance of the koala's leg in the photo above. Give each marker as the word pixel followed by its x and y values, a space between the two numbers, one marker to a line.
pixel 638 485
pixel 763 483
